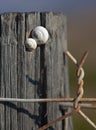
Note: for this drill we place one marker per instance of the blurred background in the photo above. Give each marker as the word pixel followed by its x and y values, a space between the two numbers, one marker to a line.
pixel 81 36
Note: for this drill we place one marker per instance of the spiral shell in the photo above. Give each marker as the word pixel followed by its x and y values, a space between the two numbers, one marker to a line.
pixel 40 34
pixel 30 44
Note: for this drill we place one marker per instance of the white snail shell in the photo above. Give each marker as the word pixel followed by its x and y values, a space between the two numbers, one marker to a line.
pixel 40 34
pixel 30 44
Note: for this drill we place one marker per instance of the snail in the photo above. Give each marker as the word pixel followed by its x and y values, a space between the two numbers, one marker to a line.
pixel 30 44
pixel 40 34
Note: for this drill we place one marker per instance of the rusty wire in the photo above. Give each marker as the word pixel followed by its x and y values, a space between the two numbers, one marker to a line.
pixel 76 103
pixel 80 92
pixel 60 118
pixel 69 100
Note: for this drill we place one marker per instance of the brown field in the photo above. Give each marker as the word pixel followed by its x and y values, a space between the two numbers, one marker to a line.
pixel 81 37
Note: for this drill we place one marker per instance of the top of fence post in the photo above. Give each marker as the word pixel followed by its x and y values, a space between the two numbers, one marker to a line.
pixel 40 73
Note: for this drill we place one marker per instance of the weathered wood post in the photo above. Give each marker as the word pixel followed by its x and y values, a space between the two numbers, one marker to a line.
pixel 41 73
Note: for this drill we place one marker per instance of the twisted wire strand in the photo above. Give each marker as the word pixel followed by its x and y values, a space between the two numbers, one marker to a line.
pixel 80 92
pixel 78 101
pixel 80 75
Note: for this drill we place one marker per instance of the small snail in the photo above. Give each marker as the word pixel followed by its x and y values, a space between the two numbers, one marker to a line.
pixel 30 44
pixel 40 34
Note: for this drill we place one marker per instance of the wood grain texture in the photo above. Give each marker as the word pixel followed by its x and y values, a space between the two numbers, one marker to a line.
pixel 41 73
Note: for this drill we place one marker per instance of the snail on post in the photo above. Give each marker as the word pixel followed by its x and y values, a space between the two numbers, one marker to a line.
pixel 40 34
pixel 30 44
pixel 37 36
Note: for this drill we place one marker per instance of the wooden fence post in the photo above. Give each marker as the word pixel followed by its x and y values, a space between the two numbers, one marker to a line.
pixel 41 73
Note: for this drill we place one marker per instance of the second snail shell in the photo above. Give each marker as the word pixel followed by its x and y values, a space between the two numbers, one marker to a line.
pixel 40 34
pixel 30 44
